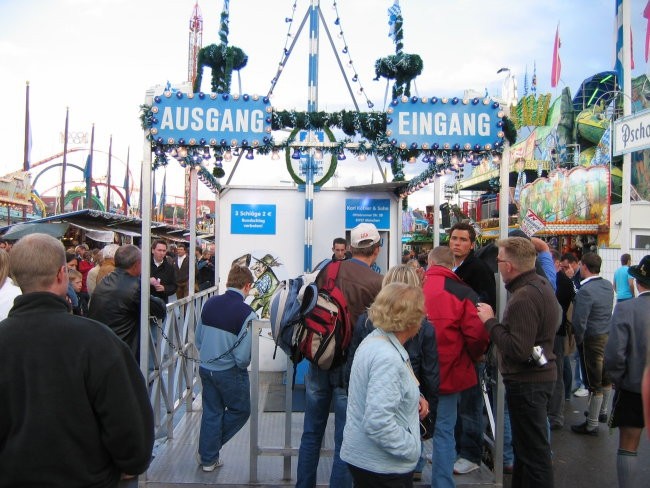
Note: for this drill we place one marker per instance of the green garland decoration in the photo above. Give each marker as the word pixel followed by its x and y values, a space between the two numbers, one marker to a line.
pixel 222 60
pixel 369 127
pixel 333 160
pixel 403 68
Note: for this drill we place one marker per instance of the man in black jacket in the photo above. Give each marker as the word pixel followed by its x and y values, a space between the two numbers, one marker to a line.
pixel 116 300
pixel 163 275
pixel 480 278
pixel 74 409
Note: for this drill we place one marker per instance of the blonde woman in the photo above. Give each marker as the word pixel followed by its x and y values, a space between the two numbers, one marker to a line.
pixel 8 291
pixel 422 350
pixel 381 439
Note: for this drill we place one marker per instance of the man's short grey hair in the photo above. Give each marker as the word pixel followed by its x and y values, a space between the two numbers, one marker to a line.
pixel 35 260
pixel 109 251
pixel 127 256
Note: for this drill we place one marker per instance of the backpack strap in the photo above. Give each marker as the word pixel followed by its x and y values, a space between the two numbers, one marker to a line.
pixel 331 272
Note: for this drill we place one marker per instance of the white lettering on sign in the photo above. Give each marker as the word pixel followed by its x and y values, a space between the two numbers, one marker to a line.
pixel 441 124
pixel 211 119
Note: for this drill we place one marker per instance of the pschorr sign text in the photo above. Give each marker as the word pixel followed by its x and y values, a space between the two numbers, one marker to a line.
pixel 632 133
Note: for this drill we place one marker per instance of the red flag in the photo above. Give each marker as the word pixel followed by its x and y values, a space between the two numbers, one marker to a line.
pixel 646 14
pixel 557 65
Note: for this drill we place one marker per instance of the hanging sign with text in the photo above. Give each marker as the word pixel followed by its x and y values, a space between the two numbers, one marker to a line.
pixel 252 219
pixel 211 119
pixel 632 133
pixel 444 123
pixel 372 211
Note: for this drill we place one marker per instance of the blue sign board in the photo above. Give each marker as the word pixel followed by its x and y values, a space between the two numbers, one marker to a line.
pixel 372 211
pixel 252 219
pixel 211 119
pixel 443 123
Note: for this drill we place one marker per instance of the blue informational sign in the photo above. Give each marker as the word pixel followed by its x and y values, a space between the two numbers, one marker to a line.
pixel 211 119
pixel 372 211
pixel 444 123
pixel 252 219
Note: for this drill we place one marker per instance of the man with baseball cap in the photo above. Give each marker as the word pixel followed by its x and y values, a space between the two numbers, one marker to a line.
pixel 625 359
pixel 359 284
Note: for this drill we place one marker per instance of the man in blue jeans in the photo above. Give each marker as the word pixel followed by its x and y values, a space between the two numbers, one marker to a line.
pixel 359 285
pixel 223 338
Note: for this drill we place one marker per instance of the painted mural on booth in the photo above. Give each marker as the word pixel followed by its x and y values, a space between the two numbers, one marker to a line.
pixel 578 195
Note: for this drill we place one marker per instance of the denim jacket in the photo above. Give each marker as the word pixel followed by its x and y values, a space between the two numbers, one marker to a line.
pixel 382 432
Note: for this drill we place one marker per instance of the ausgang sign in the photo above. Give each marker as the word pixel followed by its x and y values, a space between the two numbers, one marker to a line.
pixel 632 133
pixel 210 119
pixel 444 123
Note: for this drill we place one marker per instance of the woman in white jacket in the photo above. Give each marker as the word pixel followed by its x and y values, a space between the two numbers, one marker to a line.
pixel 8 291
pixel 381 440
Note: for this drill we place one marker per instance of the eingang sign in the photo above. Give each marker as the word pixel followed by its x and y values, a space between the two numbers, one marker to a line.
pixel 202 119
pixel 442 123
pixel 632 133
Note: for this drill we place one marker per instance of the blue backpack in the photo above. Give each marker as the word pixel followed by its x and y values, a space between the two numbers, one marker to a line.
pixel 292 299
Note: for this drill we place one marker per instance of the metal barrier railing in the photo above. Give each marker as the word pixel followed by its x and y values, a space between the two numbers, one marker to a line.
pixel 173 366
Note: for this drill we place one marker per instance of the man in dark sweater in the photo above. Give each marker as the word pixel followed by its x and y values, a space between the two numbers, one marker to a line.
pixel 526 331
pixel 74 409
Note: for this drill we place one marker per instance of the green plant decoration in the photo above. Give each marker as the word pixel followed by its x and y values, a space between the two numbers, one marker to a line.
pixel 401 67
pixel 222 60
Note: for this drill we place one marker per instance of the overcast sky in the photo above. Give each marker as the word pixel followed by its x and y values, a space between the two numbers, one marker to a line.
pixel 98 57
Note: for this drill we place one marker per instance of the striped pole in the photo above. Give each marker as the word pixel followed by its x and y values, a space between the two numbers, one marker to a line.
pixel 312 106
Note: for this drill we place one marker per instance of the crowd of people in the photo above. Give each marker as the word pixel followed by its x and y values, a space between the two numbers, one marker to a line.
pixel 423 344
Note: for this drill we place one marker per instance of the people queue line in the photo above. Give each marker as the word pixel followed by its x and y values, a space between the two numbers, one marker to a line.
pixel 391 383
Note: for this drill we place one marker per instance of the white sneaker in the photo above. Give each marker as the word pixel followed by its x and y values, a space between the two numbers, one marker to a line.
pixel 581 392
pixel 208 468
pixel 463 466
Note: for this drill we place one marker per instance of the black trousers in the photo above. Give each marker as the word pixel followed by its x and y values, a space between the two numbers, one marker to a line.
pixel 528 404
pixel 368 479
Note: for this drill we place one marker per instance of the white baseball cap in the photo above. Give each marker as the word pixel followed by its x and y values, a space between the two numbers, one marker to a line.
pixel 364 235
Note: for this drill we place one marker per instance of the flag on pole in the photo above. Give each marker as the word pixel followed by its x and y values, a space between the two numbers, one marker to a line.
pixel 557 64
pixel 526 81
pixel 108 176
pixel 163 196
pixel 533 83
pixel 646 14
pixel 394 12
pixel 154 205
pixel 28 133
pixel 65 161
pixel 127 185
pixel 88 171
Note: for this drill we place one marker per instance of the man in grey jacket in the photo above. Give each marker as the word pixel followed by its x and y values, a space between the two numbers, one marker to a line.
pixel 625 359
pixel 592 311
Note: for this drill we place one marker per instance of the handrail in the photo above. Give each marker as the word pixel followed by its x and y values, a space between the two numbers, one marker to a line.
pixel 173 365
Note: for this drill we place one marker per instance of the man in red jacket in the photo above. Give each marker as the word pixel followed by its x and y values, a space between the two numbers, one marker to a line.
pixel 462 341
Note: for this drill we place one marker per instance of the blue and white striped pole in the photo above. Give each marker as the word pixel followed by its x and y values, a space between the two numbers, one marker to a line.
pixel 312 106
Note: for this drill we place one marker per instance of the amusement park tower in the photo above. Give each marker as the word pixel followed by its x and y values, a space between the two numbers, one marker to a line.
pixel 195 43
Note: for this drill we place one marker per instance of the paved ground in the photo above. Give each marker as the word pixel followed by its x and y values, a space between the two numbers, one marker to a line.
pixel 579 461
